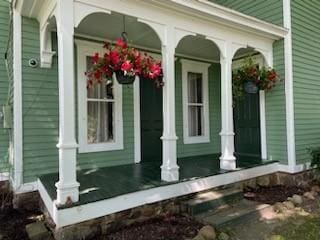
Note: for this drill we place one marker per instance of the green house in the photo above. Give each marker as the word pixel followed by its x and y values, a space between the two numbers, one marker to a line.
pixel 116 147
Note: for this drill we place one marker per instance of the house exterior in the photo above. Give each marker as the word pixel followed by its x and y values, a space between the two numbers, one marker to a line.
pixel 53 131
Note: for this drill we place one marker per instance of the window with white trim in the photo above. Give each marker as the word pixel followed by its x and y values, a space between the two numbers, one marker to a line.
pixel 195 102
pixel 99 107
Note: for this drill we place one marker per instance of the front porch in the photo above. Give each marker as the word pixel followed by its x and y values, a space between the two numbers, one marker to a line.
pixel 109 190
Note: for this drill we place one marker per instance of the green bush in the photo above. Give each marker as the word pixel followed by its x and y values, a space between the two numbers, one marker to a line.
pixel 315 157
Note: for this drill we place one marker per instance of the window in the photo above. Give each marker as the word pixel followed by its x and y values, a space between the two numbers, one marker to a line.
pixel 195 102
pixel 99 108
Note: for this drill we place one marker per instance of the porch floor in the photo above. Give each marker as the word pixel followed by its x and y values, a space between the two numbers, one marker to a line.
pixel 108 182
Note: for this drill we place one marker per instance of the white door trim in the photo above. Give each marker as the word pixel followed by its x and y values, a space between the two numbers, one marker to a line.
pixel 137 121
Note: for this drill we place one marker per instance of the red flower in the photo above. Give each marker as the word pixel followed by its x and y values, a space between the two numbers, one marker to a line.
pixel 127 66
pixel 121 43
pixel 97 74
pixel 95 58
pixel 155 70
pixel 114 58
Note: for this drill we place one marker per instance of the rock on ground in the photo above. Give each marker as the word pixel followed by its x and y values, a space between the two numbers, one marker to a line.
pixel 208 232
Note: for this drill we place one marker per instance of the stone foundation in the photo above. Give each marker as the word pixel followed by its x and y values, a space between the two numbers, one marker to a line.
pixel 113 222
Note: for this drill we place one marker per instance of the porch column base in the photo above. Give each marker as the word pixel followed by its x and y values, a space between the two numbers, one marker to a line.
pixel 169 168
pixel 228 163
pixel 67 193
pixel 170 174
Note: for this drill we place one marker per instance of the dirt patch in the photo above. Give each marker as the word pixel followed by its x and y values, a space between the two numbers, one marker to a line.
pixel 13 221
pixel 272 195
pixel 161 228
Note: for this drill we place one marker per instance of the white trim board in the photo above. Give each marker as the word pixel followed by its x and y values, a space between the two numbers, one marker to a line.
pixel 17 103
pixel 291 148
pixel 69 216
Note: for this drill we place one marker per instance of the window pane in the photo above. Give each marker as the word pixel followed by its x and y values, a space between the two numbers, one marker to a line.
pixel 194 87
pixel 195 114
pixel 100 122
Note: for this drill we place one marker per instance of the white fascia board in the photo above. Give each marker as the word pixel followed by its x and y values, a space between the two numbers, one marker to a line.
pixel 226 16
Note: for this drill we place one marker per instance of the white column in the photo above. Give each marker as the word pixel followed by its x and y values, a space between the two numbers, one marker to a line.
pixel 227 159
pixel 67 187
pixel 169 168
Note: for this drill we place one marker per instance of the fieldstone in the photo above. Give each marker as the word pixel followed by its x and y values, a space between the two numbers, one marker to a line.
pixel 309 195
pixel 279 207
pixel 223 236
pixel 37 231
pixel 199 237
pixel 276 237
pixel 263 181
pixel 208 232
pixel 315 188
pixel 296 199
pixel 288 204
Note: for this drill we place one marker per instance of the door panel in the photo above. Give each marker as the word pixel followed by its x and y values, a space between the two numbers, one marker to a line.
pixel 151 121
pixel 247 128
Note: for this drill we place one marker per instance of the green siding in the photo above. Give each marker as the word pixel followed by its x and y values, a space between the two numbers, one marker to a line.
pixel 185 150
pixel 41 115
pixel 40 108
pixel 276 111
pixel 4 81
pixel 269 11
pixel 306 72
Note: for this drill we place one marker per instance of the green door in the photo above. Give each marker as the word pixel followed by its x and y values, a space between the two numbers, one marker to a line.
pixel 247 129
pixel 151 121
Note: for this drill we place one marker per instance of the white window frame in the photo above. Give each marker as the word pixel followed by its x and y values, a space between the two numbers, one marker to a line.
pixel 202 68
pixel 84 49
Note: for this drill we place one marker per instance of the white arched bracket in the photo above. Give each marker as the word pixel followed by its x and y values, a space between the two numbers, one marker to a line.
pixel 46 53
pixel 181 33
pixel 221 44
pixel 157 27
pixel 82 10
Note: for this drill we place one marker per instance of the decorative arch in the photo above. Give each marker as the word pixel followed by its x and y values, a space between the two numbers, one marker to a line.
pixel 81 11
pixel 46 53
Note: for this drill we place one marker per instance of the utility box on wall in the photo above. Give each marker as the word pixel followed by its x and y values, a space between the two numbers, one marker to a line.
pixel 7 116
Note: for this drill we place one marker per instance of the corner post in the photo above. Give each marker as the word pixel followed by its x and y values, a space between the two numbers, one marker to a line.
pixel 227 159
pixel 67 187
pixel 169 168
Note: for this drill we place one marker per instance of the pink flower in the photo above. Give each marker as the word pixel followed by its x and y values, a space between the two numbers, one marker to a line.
pixel 127 66
pixel 121 43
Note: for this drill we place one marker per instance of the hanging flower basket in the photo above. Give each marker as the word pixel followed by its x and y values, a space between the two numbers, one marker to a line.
pixel 126 63
pixel 250 79
pixel 124 79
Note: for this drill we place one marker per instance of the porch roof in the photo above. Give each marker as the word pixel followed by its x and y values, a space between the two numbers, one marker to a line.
pixel 200 8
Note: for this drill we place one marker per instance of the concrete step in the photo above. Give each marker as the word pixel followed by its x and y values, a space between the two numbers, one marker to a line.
pixel 211 200
pixel 235 213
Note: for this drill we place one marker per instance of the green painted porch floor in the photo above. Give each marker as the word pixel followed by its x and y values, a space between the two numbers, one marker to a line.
pixel 103 183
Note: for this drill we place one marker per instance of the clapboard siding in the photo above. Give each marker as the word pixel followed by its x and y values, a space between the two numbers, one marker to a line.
pixel 270 11
pixel 276 111
pixel 4 81
pixel 40 108
pixel 185 150
pixel 306 76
